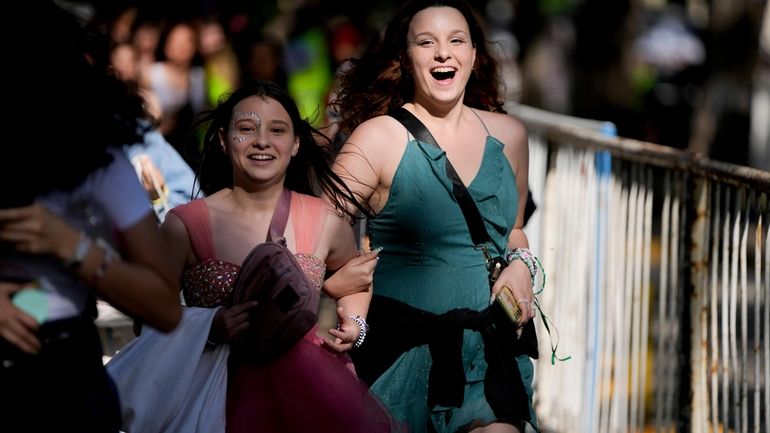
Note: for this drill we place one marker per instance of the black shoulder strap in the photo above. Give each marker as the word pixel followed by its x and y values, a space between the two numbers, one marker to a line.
pixel 470 211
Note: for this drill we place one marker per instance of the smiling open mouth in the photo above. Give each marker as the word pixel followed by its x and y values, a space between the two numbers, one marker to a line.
pixel 443 74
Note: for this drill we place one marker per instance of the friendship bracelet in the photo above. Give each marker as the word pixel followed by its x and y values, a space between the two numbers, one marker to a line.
pixel 530 260
pixel 533 263
pixel 363 329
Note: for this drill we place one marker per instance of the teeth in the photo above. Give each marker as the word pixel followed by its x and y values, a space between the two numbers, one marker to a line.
pixel 261 157
pixel 442 69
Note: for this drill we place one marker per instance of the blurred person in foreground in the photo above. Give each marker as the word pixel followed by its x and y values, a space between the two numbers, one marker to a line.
pixel 75 224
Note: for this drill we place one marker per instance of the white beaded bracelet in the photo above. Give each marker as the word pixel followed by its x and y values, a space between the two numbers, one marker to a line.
pixel 363 329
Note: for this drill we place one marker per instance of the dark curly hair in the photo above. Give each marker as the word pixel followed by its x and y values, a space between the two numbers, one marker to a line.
pixel 309 171
pixel 75 113
pixel 378 82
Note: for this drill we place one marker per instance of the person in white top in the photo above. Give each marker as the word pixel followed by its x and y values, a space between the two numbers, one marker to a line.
pixel 75 223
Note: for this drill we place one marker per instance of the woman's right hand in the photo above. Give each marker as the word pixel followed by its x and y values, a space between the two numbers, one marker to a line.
pixel 34 229
pixel 16 327
pixel 230 322
pixel 354 276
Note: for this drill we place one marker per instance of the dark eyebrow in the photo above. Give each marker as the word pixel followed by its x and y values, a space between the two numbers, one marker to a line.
pixel 451 33
pixel 280 122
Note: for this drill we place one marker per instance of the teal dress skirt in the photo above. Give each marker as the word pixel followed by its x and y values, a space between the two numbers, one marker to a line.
pixel 429 262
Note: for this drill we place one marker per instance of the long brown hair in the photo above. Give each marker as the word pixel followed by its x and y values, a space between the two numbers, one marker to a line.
pixel 379 81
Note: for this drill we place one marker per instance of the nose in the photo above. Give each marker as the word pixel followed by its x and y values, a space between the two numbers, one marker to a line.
pixel 260 139
pixel 442 53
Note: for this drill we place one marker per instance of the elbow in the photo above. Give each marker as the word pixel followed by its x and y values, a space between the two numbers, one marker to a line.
pixel 170 319
pixel 168 316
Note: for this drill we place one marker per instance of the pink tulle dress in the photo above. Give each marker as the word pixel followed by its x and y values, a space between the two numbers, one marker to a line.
pixel 308 389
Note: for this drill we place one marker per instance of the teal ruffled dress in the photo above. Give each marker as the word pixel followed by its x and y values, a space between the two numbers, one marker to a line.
pixel 428 261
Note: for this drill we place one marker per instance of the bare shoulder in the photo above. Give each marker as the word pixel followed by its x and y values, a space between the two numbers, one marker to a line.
pixel 376 134
pixel 505 128
pixel 337 239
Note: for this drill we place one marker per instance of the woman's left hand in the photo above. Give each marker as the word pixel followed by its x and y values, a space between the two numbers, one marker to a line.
pixel 16 326
pixel 345 335
pixel 35 230
pixel 517 277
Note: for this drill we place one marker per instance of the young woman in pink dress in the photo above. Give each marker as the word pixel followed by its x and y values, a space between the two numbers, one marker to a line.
pixel 256 145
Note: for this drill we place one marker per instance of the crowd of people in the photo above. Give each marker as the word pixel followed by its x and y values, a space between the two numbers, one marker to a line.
pixel 96 230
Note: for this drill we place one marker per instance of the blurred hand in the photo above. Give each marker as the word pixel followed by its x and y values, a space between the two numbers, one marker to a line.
pixel 16 327
pixel 35 230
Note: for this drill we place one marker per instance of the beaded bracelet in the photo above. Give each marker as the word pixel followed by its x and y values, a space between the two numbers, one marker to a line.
pixel 363 329
pixel 530 260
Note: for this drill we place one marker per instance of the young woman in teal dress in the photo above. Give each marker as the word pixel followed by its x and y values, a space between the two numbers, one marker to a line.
pixel 433 62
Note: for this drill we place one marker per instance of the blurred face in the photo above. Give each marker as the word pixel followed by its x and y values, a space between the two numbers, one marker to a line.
pixel 123 60
pixel 262 63
pixel 441 54
pixel 181 45
pixel 212 38
pixel 260 142
pixel 146 38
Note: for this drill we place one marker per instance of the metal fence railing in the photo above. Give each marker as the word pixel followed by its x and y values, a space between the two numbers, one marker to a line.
pixel 658 271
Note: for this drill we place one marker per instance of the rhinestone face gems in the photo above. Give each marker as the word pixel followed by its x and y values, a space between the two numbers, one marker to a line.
pixel 246 125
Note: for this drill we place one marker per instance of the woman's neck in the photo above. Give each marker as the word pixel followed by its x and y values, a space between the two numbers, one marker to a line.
pixel 256 200
pixel 450 118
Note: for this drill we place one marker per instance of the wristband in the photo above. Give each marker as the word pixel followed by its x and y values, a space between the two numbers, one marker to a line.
pixel 81 251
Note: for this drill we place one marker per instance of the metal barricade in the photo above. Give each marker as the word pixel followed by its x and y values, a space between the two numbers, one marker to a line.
pixel 658 270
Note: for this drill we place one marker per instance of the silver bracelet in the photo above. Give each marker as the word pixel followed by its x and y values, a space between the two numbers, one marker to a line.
pixel 363 329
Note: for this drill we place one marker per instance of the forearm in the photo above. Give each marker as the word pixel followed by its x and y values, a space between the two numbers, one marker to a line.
pixel 134 288
pixel 356 304
pixel 141 293
pixel 518 239
pixel 338 287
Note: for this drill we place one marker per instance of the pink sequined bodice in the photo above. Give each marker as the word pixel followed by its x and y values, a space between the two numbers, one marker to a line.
pixel 209 283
